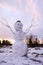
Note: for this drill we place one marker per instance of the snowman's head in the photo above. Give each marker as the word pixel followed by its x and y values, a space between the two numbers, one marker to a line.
pixel 18 25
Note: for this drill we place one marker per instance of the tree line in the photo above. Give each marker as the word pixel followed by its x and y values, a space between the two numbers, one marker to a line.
pixel 34 42
pixel 5 42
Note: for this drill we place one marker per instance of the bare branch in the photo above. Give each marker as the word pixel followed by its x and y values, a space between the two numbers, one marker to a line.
pixel 6 24
pixel 30 26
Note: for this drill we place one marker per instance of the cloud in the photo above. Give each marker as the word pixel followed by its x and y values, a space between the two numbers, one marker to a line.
pixel 22 8
pixel 6 6
pixel 25 10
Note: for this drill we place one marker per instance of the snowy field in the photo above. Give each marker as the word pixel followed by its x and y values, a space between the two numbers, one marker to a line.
pixel 34 57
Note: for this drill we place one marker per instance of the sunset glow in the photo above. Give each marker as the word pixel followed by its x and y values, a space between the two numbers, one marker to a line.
pixel 10 40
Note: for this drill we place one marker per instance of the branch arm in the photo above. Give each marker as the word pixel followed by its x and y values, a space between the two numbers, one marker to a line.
pixel 10 29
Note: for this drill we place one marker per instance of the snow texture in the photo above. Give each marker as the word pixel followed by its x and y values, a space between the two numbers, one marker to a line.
pixel 34 57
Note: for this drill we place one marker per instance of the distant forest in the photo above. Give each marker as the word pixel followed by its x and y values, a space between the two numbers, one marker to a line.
pixel 34 42
pixel 5 43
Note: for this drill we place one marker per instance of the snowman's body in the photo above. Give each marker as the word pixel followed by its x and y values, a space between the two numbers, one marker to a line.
pixel 20 48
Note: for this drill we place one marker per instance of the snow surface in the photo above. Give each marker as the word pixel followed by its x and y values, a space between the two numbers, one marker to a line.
pixel 34 57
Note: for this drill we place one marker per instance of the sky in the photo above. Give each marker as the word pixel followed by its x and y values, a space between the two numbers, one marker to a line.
pixel 25 10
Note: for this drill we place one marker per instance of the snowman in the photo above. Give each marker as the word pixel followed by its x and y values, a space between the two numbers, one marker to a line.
pixel 19 47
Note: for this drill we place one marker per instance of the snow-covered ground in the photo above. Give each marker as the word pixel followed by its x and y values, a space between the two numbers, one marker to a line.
pixel 34 57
